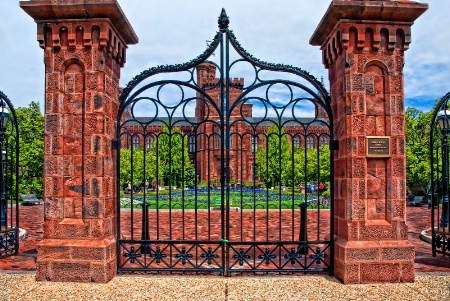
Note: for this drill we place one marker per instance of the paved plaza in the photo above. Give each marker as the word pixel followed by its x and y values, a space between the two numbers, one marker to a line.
pixel 18 277
pixel 32 218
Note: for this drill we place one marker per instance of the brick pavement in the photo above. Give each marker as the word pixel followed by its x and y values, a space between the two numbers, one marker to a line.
pixel 418 219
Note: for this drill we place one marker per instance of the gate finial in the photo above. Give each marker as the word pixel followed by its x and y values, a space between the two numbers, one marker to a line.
pixel 223 20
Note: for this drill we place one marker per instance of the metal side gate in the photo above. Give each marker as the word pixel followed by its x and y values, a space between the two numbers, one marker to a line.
pixel 439 161
pixel 225 166
pixel 9 178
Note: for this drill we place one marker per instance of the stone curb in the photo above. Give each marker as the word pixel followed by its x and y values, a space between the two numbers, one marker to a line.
pixel 425 237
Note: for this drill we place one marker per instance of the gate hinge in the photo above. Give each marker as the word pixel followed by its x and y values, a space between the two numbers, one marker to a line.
pixel 114 144
pixel 335 145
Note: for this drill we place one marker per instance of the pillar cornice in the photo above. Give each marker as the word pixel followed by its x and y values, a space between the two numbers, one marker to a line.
pixel 368 19
pixel 363 11
pixel 76 23
pixel 43 11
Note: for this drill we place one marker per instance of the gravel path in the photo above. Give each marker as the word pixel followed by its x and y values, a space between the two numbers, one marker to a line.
pixel 22 286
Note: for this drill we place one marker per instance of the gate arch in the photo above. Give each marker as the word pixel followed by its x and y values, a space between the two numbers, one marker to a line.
pixel 9 178
pixel 274 129
pixel 439 162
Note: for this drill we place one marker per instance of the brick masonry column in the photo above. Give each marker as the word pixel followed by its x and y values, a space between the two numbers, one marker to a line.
pixel 363 44
pixel 84 44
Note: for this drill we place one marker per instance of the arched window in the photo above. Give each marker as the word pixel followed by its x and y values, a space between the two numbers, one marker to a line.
pixel 324 141
pixel 255 172
pixel 150 143
pixel 192 144
pixel 296 142
pixel 135 142
pixel 216 141
pixel 310 142
pixel 254 142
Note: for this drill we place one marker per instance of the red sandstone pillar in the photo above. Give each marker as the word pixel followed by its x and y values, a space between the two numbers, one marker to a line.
pixel 363 44
pixel 84 44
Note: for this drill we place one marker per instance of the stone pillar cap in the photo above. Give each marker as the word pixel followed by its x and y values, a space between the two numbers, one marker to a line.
pixel 59 10
pixel 394 11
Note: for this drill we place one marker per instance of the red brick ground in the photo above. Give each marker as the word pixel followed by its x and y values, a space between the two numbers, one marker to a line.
pixel 418 219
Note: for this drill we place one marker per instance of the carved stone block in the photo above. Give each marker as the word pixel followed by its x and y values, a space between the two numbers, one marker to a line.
pixel 380 272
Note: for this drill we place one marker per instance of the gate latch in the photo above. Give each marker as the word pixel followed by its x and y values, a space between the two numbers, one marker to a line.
pixel 224 240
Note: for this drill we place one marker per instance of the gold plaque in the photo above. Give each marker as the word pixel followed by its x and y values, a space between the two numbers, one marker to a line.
pixel 378 146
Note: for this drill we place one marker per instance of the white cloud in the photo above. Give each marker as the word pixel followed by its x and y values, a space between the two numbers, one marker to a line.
pixel 174 31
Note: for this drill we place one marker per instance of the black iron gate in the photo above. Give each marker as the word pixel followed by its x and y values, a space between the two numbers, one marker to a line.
pixel 225 166
pixel 9 164
pixel 439 147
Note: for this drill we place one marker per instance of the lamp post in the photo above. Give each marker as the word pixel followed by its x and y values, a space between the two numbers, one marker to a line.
pixel 4 117
pixel 444 125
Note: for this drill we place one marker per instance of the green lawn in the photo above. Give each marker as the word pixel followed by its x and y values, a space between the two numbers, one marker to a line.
pixel 204 199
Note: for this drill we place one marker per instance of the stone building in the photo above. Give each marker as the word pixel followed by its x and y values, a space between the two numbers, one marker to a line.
pixel 247 131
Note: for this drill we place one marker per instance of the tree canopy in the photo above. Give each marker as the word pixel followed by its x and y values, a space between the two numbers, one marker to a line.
pixel 273 159
pixel 173 158
pixel 417 147
pixel 31 149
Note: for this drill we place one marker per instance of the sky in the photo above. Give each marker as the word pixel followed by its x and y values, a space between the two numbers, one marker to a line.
pixel 175 31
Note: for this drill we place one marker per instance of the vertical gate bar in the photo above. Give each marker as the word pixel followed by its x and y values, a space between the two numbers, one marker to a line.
pixel 331 216
pixel 439 189
pixel 293 187
pixel 222 114
pixel 303 247
pixel 17 191
pixel 227 134
pixel 280 183
pixel 182 183
pixel 209 176
pixel 4 214
pixel 17 184
pixel 145 235
pixel 433 251
pixel 444 215
pixel 254 196
pixel 170 180
pixel 318 190
pixel 267 193
pixel 8 174
pixel 4 179
pixel 157 185
pixel 131 191
pixel 118 189
pixel 241 193
pixel 10 179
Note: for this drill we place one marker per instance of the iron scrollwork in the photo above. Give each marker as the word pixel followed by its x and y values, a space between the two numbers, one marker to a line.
pixel 199 214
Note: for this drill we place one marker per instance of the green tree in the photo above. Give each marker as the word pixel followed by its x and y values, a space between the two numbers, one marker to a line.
pixel 31 147
pixel 132 164
pixel 317 171
pixel 173 157
pixel 273 159
pixel 417 147
pixel 318 167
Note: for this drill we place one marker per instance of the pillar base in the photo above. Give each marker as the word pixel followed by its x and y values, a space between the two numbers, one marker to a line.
pixel 374 261
pixel 76 260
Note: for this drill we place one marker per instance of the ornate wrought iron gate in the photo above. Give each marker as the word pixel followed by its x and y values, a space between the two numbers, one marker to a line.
pixel 225 175
pixel 9 179
pixel 439 196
